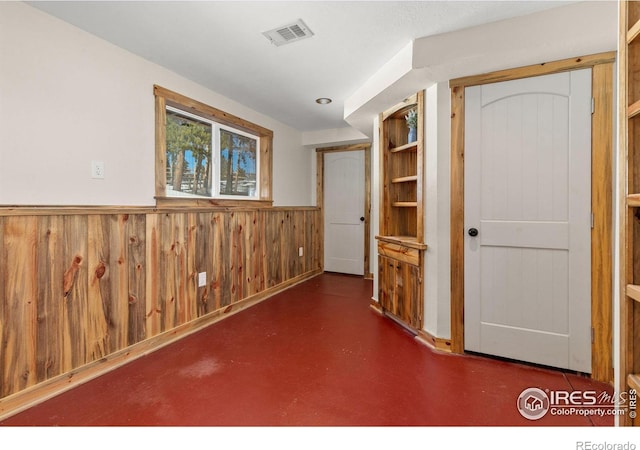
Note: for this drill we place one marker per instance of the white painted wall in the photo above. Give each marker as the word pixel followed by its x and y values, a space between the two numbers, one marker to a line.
pixel 68 97
pixel 333 137
pixel 375 204
pixel 437 211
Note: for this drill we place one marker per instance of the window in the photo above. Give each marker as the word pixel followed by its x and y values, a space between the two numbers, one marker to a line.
pixel 237 163
pixel 205 156
pixel 206 159
pixel 189 142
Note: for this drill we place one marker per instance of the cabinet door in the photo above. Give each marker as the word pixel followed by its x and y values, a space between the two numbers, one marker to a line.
pixel 386 283
pixel 409 288
pixel 400 290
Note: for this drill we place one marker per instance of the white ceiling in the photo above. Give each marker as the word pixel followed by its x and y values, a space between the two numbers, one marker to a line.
pixel 219 44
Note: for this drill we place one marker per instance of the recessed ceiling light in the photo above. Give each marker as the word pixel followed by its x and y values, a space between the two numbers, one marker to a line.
pixel 323 100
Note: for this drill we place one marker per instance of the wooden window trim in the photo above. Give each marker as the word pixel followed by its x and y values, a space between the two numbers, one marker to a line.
pixel 164 98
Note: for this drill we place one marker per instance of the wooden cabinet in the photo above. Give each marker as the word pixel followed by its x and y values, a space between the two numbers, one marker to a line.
pixel 629 166
pixel 401 240
pixel 400 287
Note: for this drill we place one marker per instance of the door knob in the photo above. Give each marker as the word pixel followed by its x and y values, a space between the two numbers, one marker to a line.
pixel 361 219
pixel 473 232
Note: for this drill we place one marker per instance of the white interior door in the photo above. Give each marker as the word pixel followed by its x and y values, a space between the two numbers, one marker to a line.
pixel 344 212
pixel 528 195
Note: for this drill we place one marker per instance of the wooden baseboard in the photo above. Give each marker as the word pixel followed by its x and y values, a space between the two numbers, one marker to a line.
pixel 27 398
pixel 373 304
pixel 436 343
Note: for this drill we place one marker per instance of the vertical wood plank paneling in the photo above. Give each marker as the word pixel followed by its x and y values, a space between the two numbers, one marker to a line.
pixel 259 255
pixel 119 277
pixel 166 291
pixel 309 236
pixel 246 239
pixel 254 258
pixel 169 268
pixel 298 241
pixel 20 304
pixel 204 237
pixel 224 236
pixel 98 288
pixel 226 278
pixel 180 273
pixel 275 263
pixel 237 256
pixel 153 276
pixel 76 287
pixel 136 298
pixel 288 256
pixel 318 243
pixel 191 276
pixel 217 252
pixel 50 296
pixel 76 294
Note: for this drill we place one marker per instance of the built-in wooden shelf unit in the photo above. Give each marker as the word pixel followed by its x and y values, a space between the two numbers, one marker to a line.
pixel 401 240
pixel 629 82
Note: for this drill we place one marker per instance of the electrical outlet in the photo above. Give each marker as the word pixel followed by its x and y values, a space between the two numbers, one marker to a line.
pixel 202 279
pixel 97 169
pixel 301 251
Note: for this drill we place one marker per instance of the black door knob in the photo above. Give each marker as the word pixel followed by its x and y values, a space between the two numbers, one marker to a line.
pixel 473 232
pixel 361 219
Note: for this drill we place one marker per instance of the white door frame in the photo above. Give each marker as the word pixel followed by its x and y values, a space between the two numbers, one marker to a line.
pixel 602 199
pixel 367 196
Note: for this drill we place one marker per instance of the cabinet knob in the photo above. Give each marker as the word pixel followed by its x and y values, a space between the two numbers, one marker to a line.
pixel 473 232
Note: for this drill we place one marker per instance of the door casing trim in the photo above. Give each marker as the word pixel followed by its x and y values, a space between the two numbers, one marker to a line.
pixel 367 196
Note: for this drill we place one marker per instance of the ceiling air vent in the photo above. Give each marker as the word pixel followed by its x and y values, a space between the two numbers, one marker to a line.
pixel 289 33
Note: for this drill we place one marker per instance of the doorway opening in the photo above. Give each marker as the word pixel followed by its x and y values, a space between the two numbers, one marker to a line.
pixel 344 195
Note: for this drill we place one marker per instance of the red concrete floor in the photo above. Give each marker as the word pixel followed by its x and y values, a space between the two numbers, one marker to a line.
pixel 315 355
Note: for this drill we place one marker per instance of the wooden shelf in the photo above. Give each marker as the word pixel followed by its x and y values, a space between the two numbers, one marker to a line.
pixel 633 200
pixel 633 380
pixel 633 110
pixel 405 179
pixel 411 146
pixel 405 204
pixel 629 55
pixel 633 32
pixel 633 291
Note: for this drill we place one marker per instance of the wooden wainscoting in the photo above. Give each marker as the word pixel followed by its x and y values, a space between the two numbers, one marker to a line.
pixel 84 290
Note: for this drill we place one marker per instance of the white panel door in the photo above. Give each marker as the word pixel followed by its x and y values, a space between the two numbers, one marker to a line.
pixel 528 195
pixel 344 212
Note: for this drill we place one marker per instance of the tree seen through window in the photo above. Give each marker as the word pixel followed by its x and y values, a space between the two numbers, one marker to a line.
pixel 237 164
pixel 188 155
pixel 192 170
